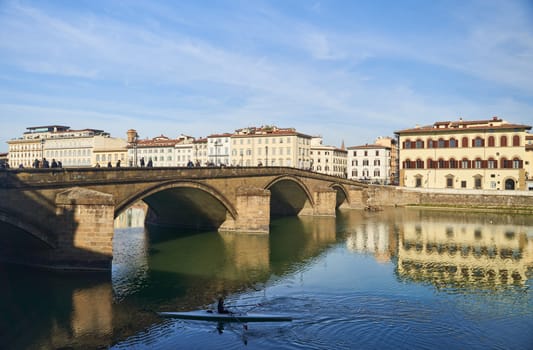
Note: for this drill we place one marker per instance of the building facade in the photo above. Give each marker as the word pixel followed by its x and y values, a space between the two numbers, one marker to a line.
pixel 327 160
pixel 483 154
pixel 218 149
pixel 370 163
pixel 270 146
pixel 73 148
pixel 529 162
pixel 156 152
pixel 394 171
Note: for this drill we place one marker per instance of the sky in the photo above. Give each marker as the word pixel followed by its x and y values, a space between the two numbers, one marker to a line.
pixel 348 71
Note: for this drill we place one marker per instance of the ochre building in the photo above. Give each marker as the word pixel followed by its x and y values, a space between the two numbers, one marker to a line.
pixel 482 154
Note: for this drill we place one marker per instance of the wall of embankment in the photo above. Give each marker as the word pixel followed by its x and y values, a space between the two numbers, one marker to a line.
pixel 509 201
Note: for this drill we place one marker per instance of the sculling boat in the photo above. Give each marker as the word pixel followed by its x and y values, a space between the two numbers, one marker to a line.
pixel 209 315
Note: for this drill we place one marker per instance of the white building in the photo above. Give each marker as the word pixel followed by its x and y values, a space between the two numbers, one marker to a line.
pixel 370 163
pixel 159 150
pixel 218 149
pixel 328 160
pixel 73 148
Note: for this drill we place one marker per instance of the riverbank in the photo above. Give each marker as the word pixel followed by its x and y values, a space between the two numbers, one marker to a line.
pixel 515 202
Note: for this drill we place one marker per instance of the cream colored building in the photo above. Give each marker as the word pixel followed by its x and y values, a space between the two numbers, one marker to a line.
pixel 328 160
pixel 391 143
pixel 529 162
pixel 184 151
pixel 482 154
pixel 73 148
pixel 270 146
pixel 109 150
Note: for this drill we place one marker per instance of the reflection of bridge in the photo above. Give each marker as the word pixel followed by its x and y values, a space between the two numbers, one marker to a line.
pixel 61 217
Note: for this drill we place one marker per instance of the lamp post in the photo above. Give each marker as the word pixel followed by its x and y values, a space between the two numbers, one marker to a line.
pixel 266 155
pixel 135 150
pixel 217 145
pixel 42 153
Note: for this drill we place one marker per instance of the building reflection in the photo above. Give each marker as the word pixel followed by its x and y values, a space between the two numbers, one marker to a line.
pixel 92 313
pixel 448 253
pixel 132 217
pixel 446 249
pixel 369 234
pixel 246 251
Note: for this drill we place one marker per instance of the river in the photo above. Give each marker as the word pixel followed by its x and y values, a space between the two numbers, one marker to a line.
pixel 396 279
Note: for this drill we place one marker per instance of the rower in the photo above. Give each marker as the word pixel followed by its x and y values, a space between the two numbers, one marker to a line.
pixel 220 306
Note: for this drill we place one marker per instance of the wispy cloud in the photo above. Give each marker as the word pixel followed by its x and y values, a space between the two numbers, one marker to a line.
pixel 213 70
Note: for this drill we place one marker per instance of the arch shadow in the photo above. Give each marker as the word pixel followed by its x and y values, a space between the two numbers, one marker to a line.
pixel 289 196
pixel 184 204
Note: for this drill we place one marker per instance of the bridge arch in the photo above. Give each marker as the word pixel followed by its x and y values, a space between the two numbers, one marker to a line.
pixel 25 225
pixel 343 196
pixel 289 196
pixel 183 204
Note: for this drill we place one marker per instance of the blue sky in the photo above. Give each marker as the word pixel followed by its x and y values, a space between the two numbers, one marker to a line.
pixel 346 70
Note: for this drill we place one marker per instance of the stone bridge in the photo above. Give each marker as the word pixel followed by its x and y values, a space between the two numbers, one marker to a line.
pixel 64 218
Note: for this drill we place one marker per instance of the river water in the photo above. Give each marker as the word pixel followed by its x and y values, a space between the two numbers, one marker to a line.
pixel 395 279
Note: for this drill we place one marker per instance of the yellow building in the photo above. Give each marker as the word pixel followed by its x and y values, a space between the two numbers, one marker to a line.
pixel 483 154
pixel 270 146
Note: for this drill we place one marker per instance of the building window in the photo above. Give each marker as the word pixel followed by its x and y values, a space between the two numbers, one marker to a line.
pixel 477 164
pixel 491 141
pixel 419 164
pixel 376 172
pixel 464 142
pixel 477 182
pixel 478 142
pixel 449 182
pixel 516 141
pixel 516 163
pixel 463 184
pixel 503 141
pixel 441 143
pixel 442 164
pixel 419 144
pixel 453 143
pixel 453 163
pixel 418 181
pixel 464 164
pixel 407 144
pixel 491 164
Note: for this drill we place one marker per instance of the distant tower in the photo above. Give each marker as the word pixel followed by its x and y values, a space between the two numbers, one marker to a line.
pixel 132 135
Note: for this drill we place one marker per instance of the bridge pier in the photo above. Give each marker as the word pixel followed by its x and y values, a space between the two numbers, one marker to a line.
pixel 325 202
pixel 84 229
pixel 253 208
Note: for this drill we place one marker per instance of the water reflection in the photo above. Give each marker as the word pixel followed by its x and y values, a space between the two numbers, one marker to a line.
pixel 446 249
pixel 465 252
pixel 370 263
